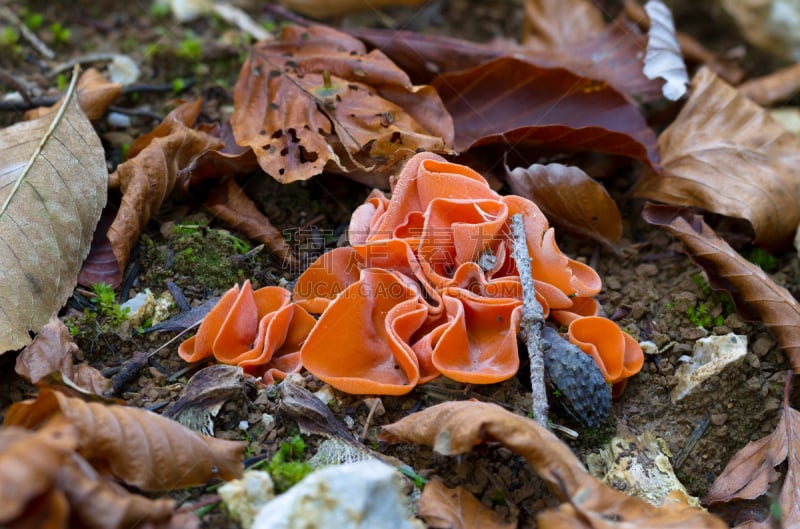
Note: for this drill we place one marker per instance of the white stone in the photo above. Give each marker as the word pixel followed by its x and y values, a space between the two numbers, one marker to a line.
pixel 364 495
pixel 711 355
pixel 245 497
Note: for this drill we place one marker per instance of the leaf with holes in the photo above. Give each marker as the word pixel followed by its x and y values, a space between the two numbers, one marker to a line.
pixel 52 190
pixel 316 100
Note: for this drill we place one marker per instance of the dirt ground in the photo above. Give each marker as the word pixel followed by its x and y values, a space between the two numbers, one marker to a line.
pixel 650 288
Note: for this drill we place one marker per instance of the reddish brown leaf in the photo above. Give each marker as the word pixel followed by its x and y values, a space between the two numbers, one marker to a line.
pixel 95 95
pixel 52 350
pixel 748 285
pixel 326 9
pixel 511 101
pixel 456 427
pixel 232 206
pixel 101 266
pixel 136 446
pixel 612 55
pixel 725 154
pixel 444 508
pixel 570 198
pixel 751 470
pixel 29 462
pixel 315 99
pixel 557 24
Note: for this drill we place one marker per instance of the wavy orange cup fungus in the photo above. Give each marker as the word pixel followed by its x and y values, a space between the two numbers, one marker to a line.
pixel 259 330
pixel 428 287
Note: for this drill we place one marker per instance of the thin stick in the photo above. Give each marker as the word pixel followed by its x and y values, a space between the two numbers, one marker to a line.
pixel 532 320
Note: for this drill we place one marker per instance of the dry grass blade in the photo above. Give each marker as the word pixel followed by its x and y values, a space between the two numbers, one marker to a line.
pixel 749 286
pixel 136 446
pixel 725 154
pixel 456 427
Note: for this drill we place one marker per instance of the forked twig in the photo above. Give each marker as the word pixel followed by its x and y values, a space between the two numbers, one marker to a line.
pixel 532 320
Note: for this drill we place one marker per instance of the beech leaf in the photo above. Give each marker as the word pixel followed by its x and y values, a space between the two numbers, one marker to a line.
pixel 51 351
pixel 95 94
pixel 725 154
pixel 456 427
pixel 136 446
pixel 317 100
pixel 751 470
pixel 52 190
pixel 750 287
pixel 664 57
pixel 28 463
pixel 511 101
pixel 557 24
pixel 444 508
pixel 570 198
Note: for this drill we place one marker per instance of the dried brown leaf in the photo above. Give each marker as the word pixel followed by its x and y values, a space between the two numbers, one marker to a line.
pixel 559 23
pixel 315 99
pixel 136 446
pixel 158 161
pixel 751 289
pixel 750 471
pixel 95 95
pixel 51 351
pixel 105 504
pixel 456 427
pixel 29 462
pixel 569 198
pixel 52 190
pixel 101 266
pixel 229 203
pixel 511 101
pixel 773 88
pixel 725 154
pixel 444 508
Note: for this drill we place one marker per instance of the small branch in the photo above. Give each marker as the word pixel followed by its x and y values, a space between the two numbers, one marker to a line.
pixel 27 34
pixel 532 320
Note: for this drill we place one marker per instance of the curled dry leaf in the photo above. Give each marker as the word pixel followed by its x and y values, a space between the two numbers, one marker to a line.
pixel 664 57
pixel 725 154
pixel 456 427
pixel 52 190
pixel 316 99
pixel 457 508
pixel 155 164
pixel 511 101
pixel 229 202
pixel 750 287
pixel 29 462
pixel 135 446
pixel 52 350
pixel 751 470
pixel 569 198
pixel 95 95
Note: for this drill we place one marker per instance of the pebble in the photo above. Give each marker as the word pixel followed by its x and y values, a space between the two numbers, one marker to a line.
pixel 612 283
pixel 647 270
pixel 718 419
pixel 762 346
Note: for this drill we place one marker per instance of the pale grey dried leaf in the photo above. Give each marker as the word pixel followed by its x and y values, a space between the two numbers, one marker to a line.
pixel 664 57
pixel 52 190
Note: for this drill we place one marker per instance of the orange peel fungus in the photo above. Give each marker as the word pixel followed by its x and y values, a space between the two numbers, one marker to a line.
pixel 428 287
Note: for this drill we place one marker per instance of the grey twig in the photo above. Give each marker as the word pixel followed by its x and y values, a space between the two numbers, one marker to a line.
pixel 532 320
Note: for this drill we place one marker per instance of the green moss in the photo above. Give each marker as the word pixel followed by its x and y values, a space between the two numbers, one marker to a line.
pixel 761 258
pixel 287 466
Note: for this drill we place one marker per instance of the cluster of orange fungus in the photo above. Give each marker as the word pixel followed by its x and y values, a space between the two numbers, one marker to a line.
pixel 428 287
